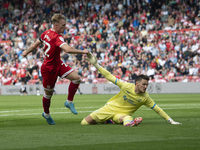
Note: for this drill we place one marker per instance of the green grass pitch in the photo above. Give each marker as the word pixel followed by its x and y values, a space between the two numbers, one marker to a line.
pixel 22 126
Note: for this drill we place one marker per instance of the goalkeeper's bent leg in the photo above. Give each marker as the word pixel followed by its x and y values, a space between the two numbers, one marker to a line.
pixel 127 119
pixel 88 120
pixel 84 122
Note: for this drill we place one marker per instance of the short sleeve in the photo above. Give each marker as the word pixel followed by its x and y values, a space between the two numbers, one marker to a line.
pixel 60 41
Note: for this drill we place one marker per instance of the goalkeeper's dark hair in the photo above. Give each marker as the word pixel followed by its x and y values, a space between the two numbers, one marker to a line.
pixel 140 77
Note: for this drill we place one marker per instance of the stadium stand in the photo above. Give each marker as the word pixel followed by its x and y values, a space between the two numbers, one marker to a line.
pixel 129 37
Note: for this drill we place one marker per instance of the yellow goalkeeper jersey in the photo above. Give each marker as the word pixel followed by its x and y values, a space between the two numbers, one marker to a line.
pixel 127 101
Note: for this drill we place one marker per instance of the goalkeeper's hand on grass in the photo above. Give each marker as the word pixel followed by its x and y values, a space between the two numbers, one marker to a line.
pixel 93 60
pixel 171 121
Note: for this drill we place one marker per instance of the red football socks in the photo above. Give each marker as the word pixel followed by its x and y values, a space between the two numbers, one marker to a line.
pixel 46 104
pixel 72 90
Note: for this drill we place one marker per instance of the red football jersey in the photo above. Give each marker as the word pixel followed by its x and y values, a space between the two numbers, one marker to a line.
pixel 22 73
pixel 52 41
pixel 35 75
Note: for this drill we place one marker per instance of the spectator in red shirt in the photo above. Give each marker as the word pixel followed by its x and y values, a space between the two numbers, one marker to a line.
pixel 153 63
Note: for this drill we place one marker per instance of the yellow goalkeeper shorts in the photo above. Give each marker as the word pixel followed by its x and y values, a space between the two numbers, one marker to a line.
pixel 105 113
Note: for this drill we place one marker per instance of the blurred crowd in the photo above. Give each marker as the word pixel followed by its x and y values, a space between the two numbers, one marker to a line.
pixel 129 37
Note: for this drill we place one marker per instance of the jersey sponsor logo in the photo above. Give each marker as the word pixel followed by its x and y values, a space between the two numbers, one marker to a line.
pixel 129 100
pixel 127 92
pixel 61 38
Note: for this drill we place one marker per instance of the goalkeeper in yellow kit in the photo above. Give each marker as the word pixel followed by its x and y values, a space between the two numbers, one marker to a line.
pixel 120 107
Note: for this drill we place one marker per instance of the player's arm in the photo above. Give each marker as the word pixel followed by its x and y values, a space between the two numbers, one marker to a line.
pixel 72 50
pixel 104 72
pixel 163 114
pixel 32 47
pixel 160 111
pixel 151 104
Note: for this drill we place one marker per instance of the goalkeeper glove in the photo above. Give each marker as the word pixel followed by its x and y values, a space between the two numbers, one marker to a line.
pixel 171 121
pixel 93 60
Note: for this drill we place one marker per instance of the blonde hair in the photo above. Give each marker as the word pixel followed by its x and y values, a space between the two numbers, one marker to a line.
pixel 57 17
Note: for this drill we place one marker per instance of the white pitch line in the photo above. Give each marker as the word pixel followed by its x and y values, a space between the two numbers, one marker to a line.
pixel 40 113
pixel 7 111
pixel 179 105
pixel 177 108
pixel 163 105
pixel 28 114
pixel 18 110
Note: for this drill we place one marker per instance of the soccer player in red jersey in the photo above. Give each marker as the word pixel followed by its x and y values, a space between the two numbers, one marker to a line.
pixel 53 67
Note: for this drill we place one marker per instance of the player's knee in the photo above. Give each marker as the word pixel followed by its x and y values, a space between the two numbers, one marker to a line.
pixel 84 122
pixel 47 96
pixel 77 81
pixel 48 92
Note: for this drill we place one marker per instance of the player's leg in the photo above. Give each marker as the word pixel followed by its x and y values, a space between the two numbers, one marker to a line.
pixel 127 120
pixel 88 120
pixel 68 73
pixel 99 116
pixel 49 80
pixel 74 84
pixel 46 100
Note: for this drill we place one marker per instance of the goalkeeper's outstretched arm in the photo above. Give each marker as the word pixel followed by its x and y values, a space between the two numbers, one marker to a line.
pixel 159 111
pixel 93 60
